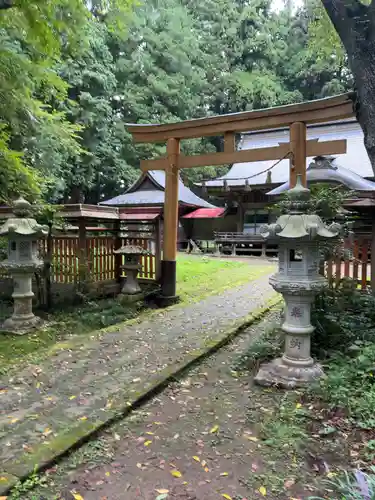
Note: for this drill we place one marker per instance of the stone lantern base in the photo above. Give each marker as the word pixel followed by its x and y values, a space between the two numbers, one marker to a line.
pixel 281 374
pixel 23 319
pixel 21 326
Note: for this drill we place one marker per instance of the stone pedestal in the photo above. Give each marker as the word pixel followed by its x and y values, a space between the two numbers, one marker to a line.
pixel 296 367
pixel 23 319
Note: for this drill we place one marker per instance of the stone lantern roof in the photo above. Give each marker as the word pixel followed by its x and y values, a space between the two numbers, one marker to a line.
pixel 297 224
pixel 131 250
pixel 22 224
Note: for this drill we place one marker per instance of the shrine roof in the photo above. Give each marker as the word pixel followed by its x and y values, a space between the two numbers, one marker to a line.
pixel 154 194
pixel 350 169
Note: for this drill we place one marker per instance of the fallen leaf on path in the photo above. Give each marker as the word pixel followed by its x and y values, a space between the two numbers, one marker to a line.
pixel 150 433
pixel 206 469
pixel 252 438
pixel 83 418
pixel 77 496
pixel 263 491
pixel 163 496
pixel 162 490
pixel 72 397
pixel 197 459
pixel 298 406
pixel 224 474
pixel 176 473
pixel 254 467
pixel 147 443
pixel 225 495
pixel 107 474
pixel 3 479
pixel 204 463
pixel 214 429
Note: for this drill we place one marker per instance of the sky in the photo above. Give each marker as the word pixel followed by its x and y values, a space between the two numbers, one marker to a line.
pixel 278 4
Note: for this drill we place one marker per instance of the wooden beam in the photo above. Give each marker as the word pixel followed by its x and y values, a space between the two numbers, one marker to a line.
pixel 171 201
pixel 298 147
pixel 320 111
pixel 247 155
pixel 229 142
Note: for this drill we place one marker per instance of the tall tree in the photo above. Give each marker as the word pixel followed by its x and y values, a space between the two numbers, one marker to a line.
pixel 354 22
pixel 33 35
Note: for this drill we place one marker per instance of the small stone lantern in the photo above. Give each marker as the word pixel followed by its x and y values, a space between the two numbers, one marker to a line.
pixel 131 289
pixel 299 235
pixel 23 261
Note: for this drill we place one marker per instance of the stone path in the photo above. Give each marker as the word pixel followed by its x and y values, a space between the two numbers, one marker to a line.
pixel 48 407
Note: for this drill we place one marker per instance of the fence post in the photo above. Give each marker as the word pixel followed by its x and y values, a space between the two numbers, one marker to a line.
pixel 158 250
pixel 83 261
pixel 372 260
pixel 117 246
pixel 47 268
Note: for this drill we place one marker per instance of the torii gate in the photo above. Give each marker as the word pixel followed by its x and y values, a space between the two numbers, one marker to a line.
pixel 295 116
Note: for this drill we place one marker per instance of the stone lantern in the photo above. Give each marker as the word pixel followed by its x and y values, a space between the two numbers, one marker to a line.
pixel 299 235
pixel 23 261
pixel 131 289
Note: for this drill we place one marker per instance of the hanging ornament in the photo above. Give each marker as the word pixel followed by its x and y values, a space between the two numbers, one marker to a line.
pixel 226 187
pixel 247 185
pixel 204 187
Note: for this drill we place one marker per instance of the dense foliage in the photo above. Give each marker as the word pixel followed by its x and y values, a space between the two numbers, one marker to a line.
pixel 73 73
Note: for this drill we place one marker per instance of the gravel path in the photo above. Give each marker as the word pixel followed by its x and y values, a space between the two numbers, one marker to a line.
pixel 75 385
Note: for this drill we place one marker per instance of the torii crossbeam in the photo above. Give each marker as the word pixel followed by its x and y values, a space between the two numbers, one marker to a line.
pixel 295 116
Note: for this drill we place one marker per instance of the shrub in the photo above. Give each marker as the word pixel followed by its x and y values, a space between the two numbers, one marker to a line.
pixel 344 318
pixel 355 486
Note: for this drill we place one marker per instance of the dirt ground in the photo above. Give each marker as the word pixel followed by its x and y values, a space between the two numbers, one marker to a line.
pixel 209 436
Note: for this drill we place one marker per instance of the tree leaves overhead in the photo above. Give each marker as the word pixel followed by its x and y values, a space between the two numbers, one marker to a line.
pixel 73 73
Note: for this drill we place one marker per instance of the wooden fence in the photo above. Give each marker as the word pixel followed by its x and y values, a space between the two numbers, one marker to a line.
pixel 64 253
pixel 356 262
pixel 101 260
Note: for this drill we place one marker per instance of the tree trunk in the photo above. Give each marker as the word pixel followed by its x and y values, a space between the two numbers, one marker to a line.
pixel 355 25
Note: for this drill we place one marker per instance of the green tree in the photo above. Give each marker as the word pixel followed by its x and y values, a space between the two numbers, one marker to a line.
pixel 354 31
pixel 33 37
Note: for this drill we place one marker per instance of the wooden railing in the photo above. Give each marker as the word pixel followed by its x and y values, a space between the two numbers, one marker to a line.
pixel 354 262
pixel 237 237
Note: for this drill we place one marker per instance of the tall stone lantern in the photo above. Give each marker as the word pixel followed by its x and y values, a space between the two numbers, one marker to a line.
pixel 299 235
pixel 23 233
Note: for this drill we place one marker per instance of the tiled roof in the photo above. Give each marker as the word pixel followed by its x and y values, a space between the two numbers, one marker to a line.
pixel 205 213
pixel 356 160
pixel 136 196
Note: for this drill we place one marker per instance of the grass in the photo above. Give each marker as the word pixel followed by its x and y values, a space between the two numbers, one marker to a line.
pixel 197 278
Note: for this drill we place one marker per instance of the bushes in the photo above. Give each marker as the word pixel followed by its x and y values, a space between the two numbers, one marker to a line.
pixel 344 318
pixel 356 486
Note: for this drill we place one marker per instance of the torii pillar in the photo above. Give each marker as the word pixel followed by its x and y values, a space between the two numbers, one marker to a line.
pixel 168 263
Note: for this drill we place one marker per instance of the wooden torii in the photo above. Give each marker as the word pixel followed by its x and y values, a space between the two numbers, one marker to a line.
pixel 295 116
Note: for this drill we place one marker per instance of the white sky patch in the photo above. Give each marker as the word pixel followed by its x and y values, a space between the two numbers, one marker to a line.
pixel 279 4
